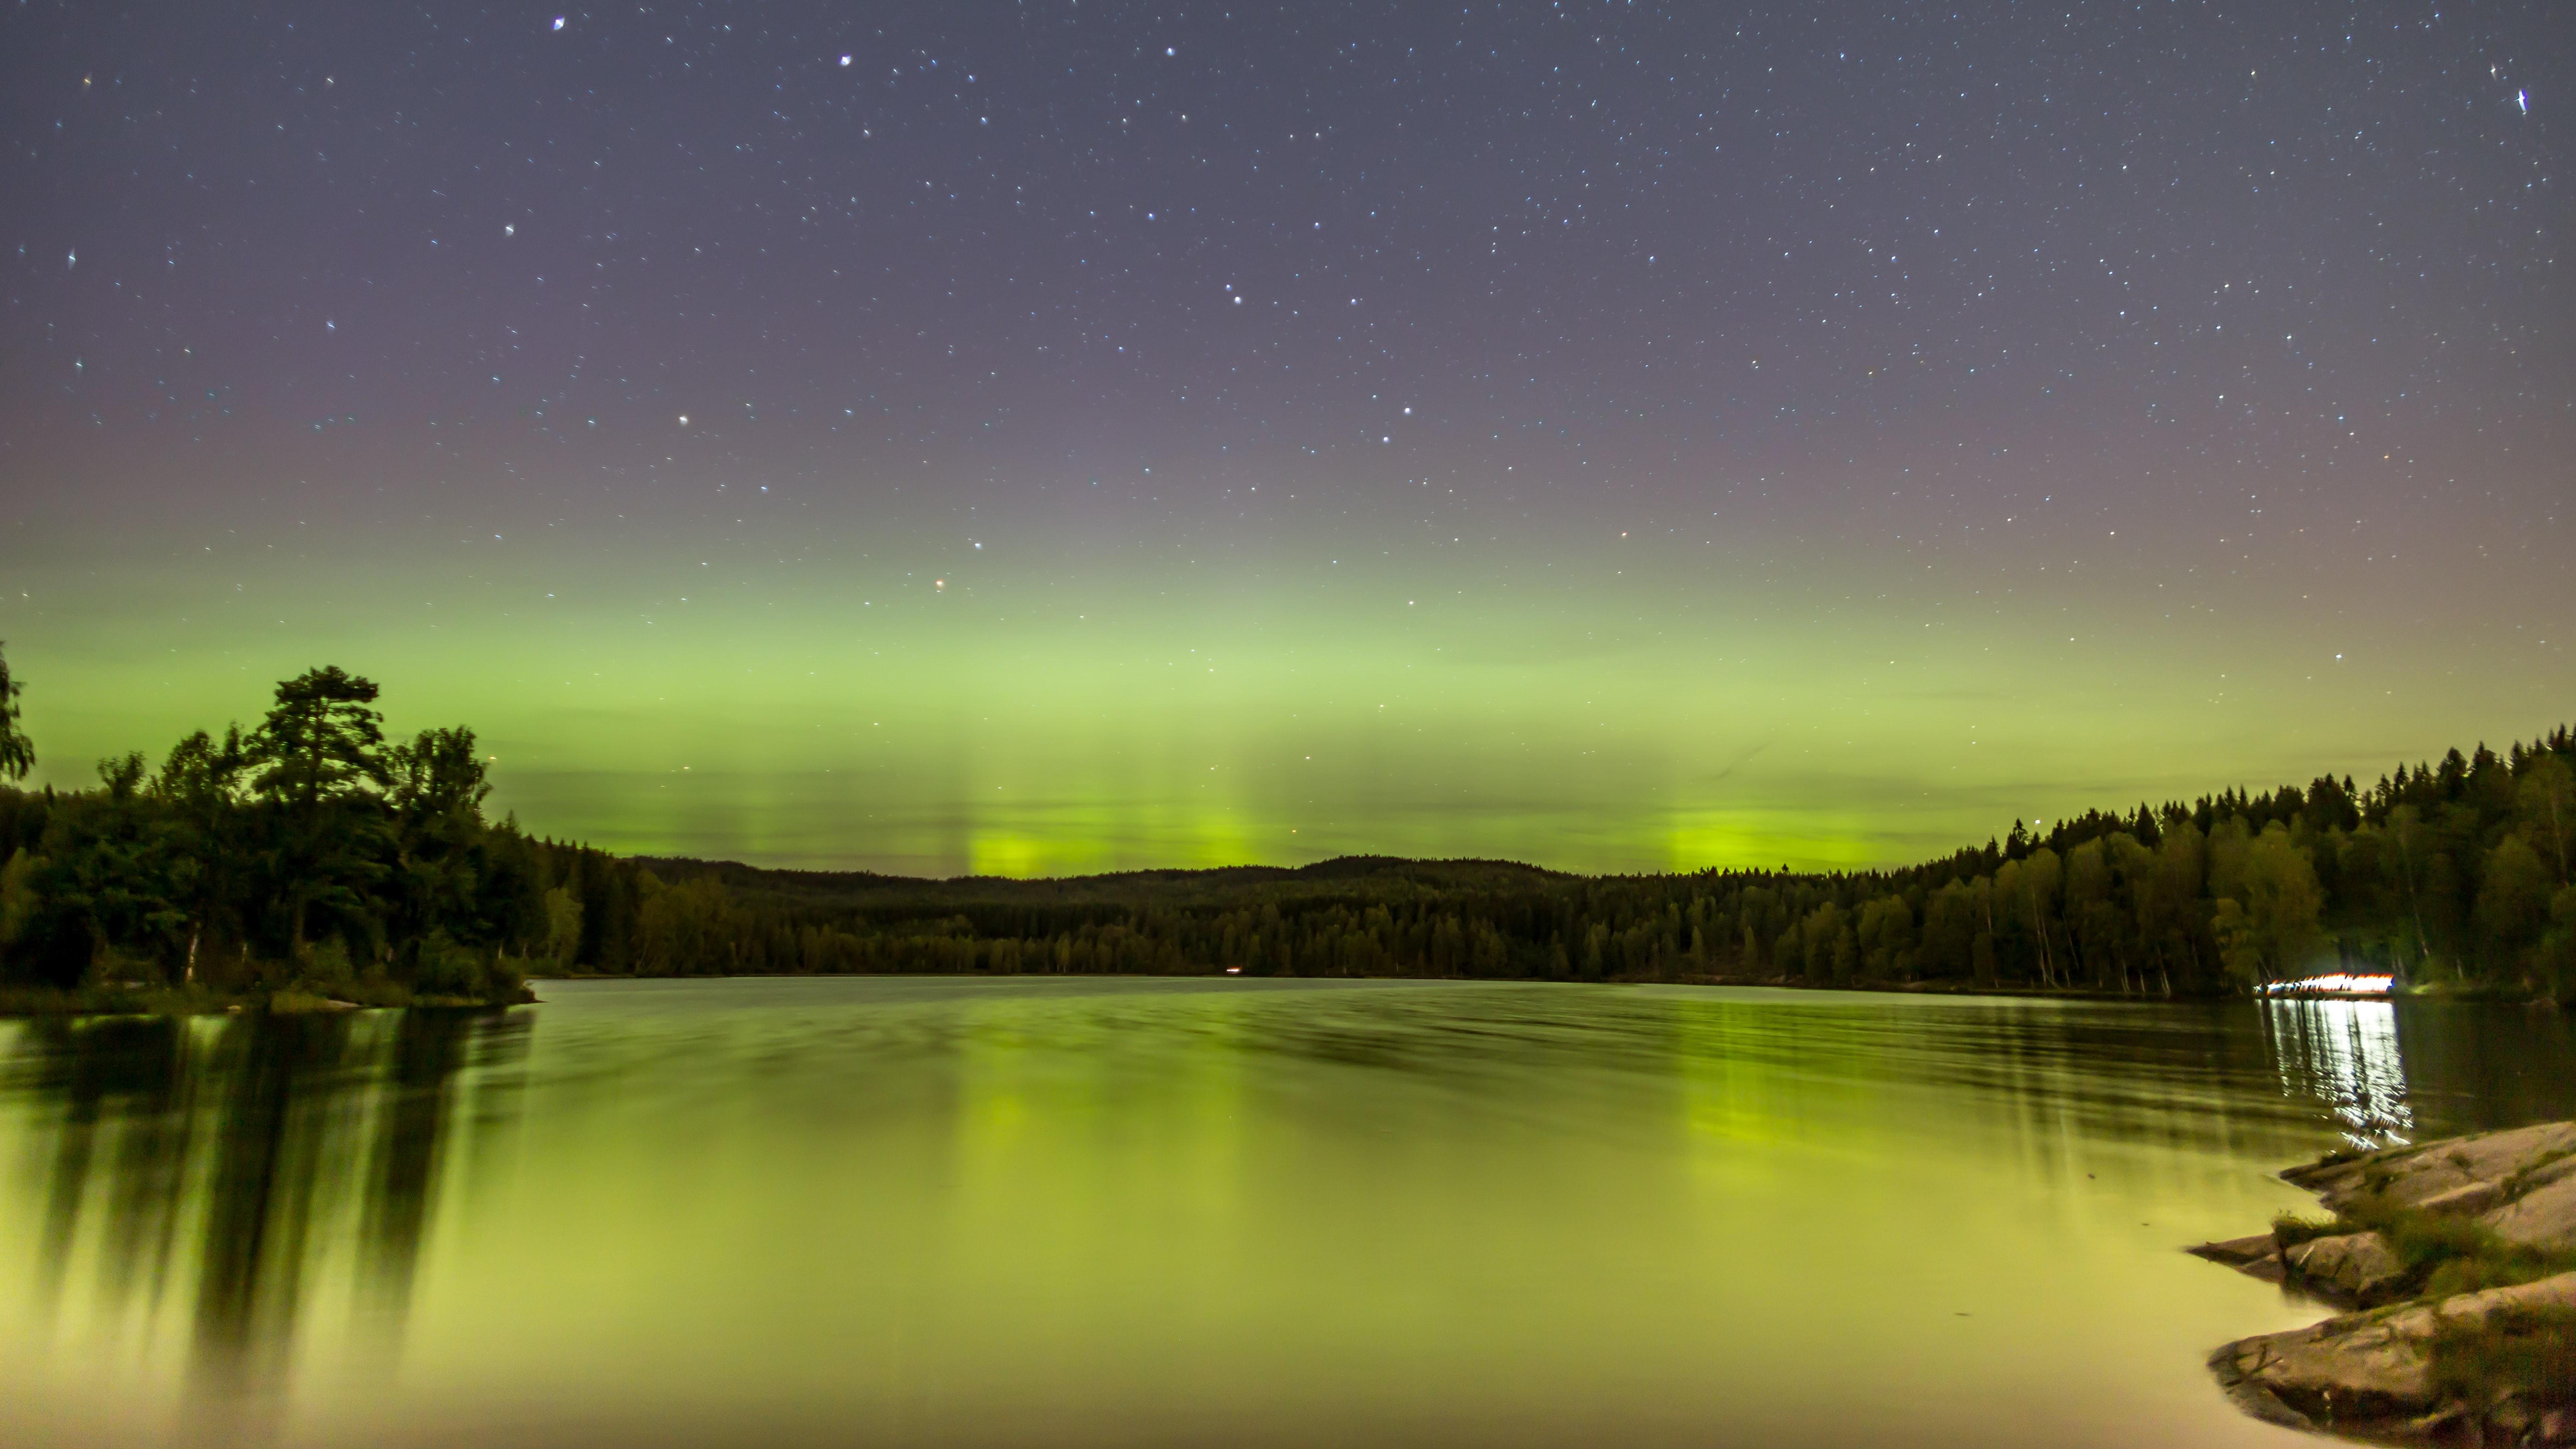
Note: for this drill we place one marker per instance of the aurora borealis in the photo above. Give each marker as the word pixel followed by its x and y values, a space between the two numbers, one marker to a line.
pixel 1031 438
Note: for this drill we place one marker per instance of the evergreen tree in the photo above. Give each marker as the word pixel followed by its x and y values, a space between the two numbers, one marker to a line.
pixel 318 752
pixel 17 754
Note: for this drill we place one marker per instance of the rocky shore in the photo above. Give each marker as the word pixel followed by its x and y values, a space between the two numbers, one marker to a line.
pixel 2457 1261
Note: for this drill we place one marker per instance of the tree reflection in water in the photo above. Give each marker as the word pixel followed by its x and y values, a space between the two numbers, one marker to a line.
pixel 233 1160
pixel 973 1211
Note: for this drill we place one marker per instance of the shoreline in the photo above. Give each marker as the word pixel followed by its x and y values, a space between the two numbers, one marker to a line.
pixel 140 999
pixel 2454 1262
pixel 2434 991
pixel 39 1003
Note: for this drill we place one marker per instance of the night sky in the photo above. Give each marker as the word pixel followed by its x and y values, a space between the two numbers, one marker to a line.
pixel 1032 438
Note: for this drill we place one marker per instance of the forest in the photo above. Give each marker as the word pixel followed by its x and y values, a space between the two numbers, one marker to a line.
pixel 2453 874
pixel 310 855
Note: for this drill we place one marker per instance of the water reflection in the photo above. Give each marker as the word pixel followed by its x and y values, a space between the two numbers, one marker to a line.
pixel 2392 1072
pixel 2346 1056
pixel 227 1169
pixel 942 1212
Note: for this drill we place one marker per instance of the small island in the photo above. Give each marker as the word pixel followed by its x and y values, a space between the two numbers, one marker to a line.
pixel 2456 1263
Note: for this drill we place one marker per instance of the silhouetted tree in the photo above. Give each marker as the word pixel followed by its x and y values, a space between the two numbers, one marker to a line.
pixel 17 754
pixel 320 750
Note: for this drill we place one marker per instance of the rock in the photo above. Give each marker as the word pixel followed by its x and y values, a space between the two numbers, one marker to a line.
pixel 2258 1256
pixel 2414 1176
pixel 2466 1199
pixel 2259 1402
pixel 2359 1366
pixel 2369 1371
pixel 2359 1268
pixel 2522 1182
pixel 2237 1252
pixel 2544 1216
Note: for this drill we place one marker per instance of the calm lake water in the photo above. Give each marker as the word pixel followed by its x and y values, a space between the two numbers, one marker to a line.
pixel 964 1212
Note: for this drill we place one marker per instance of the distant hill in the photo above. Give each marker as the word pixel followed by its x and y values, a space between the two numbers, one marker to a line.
pixel 1335 877
pixel 2455 873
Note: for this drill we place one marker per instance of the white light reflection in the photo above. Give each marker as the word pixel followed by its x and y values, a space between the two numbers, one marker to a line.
pixel 2337 983
pixel 2344 1054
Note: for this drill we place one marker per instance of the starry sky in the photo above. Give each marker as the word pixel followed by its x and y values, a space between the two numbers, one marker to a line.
pixel 1043 437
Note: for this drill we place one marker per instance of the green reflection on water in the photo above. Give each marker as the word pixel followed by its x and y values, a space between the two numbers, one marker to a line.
pixel 922 1210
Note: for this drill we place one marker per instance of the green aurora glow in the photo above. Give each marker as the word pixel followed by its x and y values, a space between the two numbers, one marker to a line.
pixel 1615 705
pixel 1683 437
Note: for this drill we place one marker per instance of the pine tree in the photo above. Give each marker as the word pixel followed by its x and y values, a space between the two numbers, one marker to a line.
pixel 17 754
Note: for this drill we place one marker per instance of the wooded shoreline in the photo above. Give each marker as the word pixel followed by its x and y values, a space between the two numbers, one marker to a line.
pixel 136 1000
pixel 309 856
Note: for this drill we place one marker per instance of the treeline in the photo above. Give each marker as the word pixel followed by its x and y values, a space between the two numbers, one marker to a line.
pixel 308 850
pixel 2454 873
pixel 307 854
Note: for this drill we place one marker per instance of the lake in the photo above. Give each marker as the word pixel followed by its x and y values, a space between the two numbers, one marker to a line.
pixel 952 1212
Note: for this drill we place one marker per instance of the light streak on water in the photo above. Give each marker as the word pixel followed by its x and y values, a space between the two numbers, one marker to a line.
pixel 2344 1054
